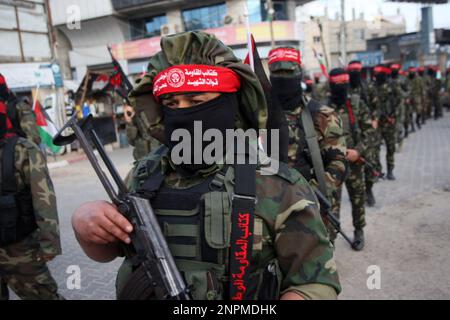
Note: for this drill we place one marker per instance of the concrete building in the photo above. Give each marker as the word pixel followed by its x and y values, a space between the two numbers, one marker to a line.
pixel 133 28
pixel 358 31
pixel 407 49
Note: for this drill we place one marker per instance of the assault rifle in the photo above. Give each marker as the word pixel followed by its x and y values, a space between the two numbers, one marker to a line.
pixel 330 216
pixel 148 244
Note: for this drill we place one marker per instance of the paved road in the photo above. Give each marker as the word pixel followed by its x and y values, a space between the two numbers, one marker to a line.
pixel 407 234
pixel 408 231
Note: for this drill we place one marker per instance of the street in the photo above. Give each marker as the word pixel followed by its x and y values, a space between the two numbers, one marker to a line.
pixel 407 233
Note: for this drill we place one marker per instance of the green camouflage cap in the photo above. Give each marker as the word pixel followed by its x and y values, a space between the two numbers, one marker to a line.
pixel 197 47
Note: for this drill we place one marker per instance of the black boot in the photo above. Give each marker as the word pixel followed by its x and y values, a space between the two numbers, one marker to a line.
pixel 358 240
pixel 370 198
pixel 390 175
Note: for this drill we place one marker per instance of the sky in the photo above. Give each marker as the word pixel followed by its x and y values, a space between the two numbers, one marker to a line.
pixel 371 8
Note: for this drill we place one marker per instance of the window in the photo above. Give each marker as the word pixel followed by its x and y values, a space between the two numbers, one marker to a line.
pixel 205 17
pixel 360 34
pixel 384 48
pixel 280 8
pixel 316 39
pixel 147 27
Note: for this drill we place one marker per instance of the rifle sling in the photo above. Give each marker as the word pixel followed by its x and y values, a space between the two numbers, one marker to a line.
pixel 313 144
pixel 244 201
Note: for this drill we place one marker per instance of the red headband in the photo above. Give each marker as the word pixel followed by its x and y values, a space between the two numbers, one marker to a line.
pixel 309 81
pixel 396 66
pixel 381 69
pixel 421 69
pixel 285 54
pixel 340 78
pixel 355 66
pixel 2 79
pixel 195 78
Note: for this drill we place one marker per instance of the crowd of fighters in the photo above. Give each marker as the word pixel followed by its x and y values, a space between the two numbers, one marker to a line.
pixel 234 232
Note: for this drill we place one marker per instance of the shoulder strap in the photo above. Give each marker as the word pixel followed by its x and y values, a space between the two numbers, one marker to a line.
pixel 9 184
pixel 313 144
pixel 242 222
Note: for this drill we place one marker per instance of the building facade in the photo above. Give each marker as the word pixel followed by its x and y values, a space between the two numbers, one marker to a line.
pixel 358 31
pixel 133 28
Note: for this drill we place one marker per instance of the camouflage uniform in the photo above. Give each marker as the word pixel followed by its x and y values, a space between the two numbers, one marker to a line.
pixel 400 114
pixel 329 131
pixel 385 100
pixel 22 263
pixel 446 97
pixel 142 142
pixel 416 99
pixel 286 211
pixel 26 118
pixel 426 103
pixel 320 92
pixel 357 139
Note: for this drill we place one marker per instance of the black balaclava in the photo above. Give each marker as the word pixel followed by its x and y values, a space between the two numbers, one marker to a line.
pixel 354 70
pixel 4 90
pixel 288 90
pixel 395 74
pixel 317 80
pixel 431 72
pixel 421 72
pixel 338 88
pixel 218 113
pixel 309 85
pixel 395 70
pixel 381 75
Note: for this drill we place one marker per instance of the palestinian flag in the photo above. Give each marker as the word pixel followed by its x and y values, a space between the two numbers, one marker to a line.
pixel 46 127
pixel 321 61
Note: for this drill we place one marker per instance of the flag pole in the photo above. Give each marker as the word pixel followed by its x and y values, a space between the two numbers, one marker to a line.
pixel 36 94
pixel 249 37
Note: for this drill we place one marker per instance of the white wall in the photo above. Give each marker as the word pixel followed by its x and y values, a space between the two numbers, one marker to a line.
pixel 89 44
pixel 89 9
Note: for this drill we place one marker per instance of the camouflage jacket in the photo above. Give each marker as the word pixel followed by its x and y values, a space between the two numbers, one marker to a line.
pixel 27 119
pixel 32 173
pixel 288 226
pixel 357 135
pixel 320 92
pixel 142 144
pixel 329 130
pixel 384 101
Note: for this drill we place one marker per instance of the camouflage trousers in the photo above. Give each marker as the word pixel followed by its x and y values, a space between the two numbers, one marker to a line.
pixel 25 272
pixel 356 191
pixel 388 134
pixel 372 155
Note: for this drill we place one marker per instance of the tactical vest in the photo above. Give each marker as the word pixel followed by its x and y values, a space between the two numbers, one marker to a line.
pixel 17 218
pixel 196 222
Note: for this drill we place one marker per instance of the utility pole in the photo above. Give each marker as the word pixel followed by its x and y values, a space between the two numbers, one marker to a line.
pixel 322 40
pixel 343 35
pixel 270 16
